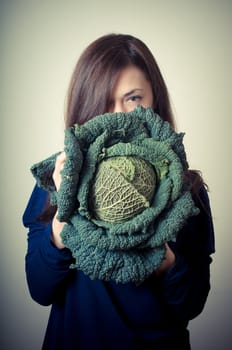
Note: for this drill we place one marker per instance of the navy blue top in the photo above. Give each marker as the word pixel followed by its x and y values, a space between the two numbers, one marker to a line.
pixel 93 314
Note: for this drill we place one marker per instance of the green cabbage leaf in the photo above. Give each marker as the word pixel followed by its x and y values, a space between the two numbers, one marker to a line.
pixel 122 193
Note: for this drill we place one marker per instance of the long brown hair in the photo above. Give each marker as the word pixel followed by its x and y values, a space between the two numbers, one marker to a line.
pixel 97 70
pixel 93 80
pixel 96 73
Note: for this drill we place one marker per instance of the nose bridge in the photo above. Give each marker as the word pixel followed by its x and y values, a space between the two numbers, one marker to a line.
pixel 119 107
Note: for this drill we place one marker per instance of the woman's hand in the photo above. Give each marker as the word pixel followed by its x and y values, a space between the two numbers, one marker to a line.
pixel 168 261
pixel 59 165
pixel 57 226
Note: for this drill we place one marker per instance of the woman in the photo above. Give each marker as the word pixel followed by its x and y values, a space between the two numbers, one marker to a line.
pixel 116 73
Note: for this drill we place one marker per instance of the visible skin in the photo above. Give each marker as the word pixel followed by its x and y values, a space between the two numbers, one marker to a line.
pixel 57 226
pixel 131 89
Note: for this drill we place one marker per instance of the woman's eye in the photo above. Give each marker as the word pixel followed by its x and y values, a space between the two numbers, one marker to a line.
pixel 135 98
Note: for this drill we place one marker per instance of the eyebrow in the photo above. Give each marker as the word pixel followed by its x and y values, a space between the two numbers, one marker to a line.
pixel 132 92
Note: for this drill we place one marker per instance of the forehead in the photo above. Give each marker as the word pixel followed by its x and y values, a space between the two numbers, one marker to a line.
pixel 130 75
pixel 130 78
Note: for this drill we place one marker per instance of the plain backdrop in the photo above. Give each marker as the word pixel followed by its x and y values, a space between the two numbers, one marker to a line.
pixel 40 42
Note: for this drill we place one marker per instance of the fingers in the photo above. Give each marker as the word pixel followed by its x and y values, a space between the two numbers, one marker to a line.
pixel 59 165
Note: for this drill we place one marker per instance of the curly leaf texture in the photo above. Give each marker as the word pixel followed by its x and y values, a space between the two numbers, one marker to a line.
pixel 122 193
pixel 122 187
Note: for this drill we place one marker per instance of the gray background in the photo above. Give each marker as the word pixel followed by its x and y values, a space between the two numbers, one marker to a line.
pixel 40 42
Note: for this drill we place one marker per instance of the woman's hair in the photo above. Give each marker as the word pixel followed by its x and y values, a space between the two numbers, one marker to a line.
pixel 96 73
pixel 94 78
